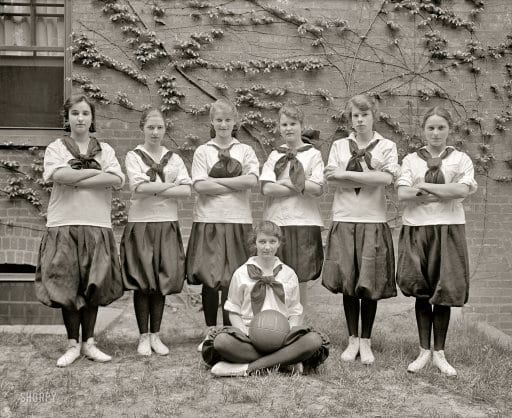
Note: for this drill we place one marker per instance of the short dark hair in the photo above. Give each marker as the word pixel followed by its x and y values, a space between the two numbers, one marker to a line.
pixel 264 227
pixel 437 111
pixel 73 100
pixel 145 115
pixel 362 102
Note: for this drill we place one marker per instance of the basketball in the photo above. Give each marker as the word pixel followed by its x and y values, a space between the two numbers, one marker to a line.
pixel 268 330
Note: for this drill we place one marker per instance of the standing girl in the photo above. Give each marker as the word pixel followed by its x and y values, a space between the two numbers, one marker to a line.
pixel 152 255
pixel 263 283
pixel 433 257
pixel 223 172
pixel 292 179
pixel 359 260
pixel 78 268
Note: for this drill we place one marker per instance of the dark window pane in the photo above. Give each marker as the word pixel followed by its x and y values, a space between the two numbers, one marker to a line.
pixel 31 97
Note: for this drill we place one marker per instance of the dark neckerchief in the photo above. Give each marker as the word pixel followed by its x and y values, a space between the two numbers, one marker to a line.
pixel 354 163
pixel 259 291
pixel 154 167
pixel 227 166
pixel 296 171
pixel 82 161
pixel 434 173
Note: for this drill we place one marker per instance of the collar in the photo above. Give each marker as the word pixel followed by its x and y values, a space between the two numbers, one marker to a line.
pixel 448 146
pixel 233 141
pixel 252 260
pixel 141 147
pixel 375 136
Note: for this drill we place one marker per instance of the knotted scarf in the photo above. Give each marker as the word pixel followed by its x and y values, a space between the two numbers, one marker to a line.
pixel 296 171
pixel 259 291
pixel 83 161
pixel 354 163
pixel 434 173
pixel 154 167
pixel 227 166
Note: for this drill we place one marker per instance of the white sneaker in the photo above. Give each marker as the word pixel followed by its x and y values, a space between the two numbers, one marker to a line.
pixel 365 351
pixel 92 352
pixel 157 345
pixel 439 360
pixel 421 361
pixel 352 350
pixel 225 369
pixel 297 368
pixel 206 337
pixel 144 347
pixel 71 354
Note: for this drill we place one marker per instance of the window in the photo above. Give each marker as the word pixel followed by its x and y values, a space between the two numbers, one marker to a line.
pixel 34 62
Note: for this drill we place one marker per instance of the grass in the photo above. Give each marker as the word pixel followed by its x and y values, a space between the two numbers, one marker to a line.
pixel 180 385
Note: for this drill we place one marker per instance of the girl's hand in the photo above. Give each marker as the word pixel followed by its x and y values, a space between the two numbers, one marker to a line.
pixel 425 197
pixel 287 183
pixel 331 173
pixel 244 329
pixel 420 185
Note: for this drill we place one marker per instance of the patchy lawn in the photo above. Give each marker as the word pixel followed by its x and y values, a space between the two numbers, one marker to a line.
pixel 180 385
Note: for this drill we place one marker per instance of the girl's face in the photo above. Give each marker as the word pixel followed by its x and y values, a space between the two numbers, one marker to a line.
pixel 266 245
pixel 290 129
pixel 362 120
pixel 436 131
pixel 154 129
pixel 223 122
pixel 80 118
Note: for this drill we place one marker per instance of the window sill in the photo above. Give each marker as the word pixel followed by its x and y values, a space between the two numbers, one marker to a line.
pixel 28 137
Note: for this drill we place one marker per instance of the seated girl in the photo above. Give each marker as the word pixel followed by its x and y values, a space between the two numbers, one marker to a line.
pixel 262 283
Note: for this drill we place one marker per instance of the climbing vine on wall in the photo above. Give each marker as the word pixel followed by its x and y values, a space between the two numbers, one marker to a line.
pixel 181 62
pixel 408 54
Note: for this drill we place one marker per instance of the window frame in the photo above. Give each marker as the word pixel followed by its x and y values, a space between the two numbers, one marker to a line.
pixel 45 133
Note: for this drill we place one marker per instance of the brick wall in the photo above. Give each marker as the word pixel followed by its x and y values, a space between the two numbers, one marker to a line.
pixel 384 65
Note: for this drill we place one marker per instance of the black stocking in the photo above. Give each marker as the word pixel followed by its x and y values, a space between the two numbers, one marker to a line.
pixel 441 322
pixel 71 320
pixel 351 308
pixel 424 319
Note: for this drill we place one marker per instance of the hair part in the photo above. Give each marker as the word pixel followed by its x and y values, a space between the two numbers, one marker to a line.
pixel 73 100
pixel 267 228
pixel 437 111
pixel 147 113
pixel 223 104
pixel 293 112
pixel 362 102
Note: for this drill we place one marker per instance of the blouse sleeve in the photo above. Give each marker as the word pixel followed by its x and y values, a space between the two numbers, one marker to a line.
pixel 390 163
pixel 54 158
pixel 334 159
pixel 250 164
pixel 293 304
pixel 267 172
pixel 236 293
pixel 110 163
pixel 182 176
pixel 406 173
pixel 199 165
pixel 135 172
pixel 316 175
pixel 467 173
